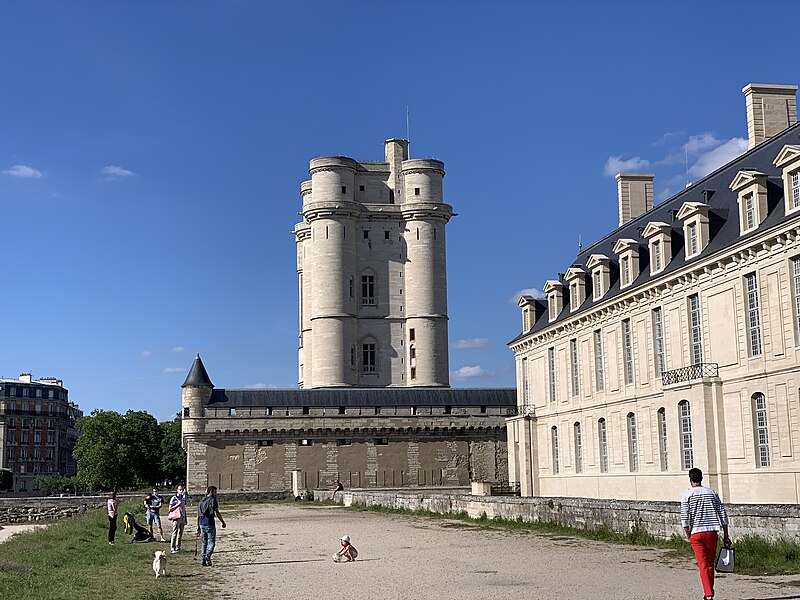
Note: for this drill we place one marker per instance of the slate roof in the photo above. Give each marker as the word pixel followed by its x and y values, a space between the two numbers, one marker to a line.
pixel 197 374
pixel 366 397
pixel 723 218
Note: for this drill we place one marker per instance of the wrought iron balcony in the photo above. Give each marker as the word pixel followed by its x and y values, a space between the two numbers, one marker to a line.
pixel 698 371
pixel 526 410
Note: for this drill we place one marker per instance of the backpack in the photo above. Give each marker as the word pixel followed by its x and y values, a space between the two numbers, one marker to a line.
pixel 206 508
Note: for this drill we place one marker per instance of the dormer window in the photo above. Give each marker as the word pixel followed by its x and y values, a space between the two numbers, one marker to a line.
pixel 788 160
pixel 555 299
pixel 576 278
pixel 751 187
pixel 656 256
pixel 695 227
pixel 628 251
pixel 528 306
pixel 598 264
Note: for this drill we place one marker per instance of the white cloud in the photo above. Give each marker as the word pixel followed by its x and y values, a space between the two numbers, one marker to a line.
pixel 146 353
pixel 471 372
pixel 615 165
pixel 170 370
pixel 261 386
pixel 23 171
pixel 526 292
pixel 115 172
pixel 720 155
pixel 471 343
pixel 701 143
pixel 179 349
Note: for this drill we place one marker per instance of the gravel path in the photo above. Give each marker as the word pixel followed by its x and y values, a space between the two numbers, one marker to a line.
pixel 284 552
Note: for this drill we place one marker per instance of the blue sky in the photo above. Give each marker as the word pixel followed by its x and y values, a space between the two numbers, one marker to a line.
pixel 151 155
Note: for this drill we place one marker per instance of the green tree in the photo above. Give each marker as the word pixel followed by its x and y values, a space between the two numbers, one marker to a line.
pixel 6 479
pixel 142 435
pixel 52 483
pixel 173 456
pixel 102 451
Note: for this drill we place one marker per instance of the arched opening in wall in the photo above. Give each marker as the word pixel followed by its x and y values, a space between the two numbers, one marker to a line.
pixel 685 427
pixel 578 441
pixel 633 443
pixel 661 416
pixel 554 444
pixel 602 440
pixel 761 429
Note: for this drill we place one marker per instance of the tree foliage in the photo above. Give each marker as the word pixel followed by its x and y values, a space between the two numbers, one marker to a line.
pixel 6 479
pixel 116 451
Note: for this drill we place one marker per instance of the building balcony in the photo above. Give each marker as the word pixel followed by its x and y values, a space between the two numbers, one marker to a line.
pixel 684 374
pixel 525 410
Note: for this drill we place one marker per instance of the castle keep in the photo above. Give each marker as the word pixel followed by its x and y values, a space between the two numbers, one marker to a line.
pixel 375 408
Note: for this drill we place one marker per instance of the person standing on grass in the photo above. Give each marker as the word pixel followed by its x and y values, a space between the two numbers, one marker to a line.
pixel 111 504
pixel 177 514
pixel 152 504
pixel 206 511
pixel 702 514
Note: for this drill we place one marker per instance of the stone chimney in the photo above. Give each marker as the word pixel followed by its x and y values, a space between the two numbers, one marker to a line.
pixel 635 193
pixel 770 110
pixel 25 377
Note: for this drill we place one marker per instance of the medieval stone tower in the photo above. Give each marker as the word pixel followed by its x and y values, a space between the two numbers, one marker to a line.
pixel 372 266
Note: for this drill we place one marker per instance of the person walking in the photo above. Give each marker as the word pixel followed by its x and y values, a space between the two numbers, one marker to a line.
pixel 177 514
pixel 111 504
pixel 206 511
pixel 702 515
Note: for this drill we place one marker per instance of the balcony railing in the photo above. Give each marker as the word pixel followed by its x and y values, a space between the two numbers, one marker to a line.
pixel 526 410
pixel 698 371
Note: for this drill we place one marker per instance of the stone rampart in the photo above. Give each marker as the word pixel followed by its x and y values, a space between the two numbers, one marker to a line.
pixel 661 519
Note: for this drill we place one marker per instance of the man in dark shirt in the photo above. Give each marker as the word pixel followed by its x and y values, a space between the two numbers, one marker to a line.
pixel 206 526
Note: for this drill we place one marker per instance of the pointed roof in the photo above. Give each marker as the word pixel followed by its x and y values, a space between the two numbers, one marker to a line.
pixel 197 374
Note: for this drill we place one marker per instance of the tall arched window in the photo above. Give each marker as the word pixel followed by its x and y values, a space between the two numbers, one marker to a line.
pixel 662 438
pixel 602 439
pixel 576 430
pixel 554 441
pixel 761 429
pixel 633 444
pixel 687 453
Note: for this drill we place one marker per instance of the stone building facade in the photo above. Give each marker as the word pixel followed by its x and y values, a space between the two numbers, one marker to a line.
pixel 392 437
pixel 375 408
pixel 371 259
pixel 37 429
pixel 674 341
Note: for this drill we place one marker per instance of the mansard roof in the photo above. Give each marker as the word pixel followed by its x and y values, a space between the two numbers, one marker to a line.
pixel 365 397
pixel 197 374
pixel 714 194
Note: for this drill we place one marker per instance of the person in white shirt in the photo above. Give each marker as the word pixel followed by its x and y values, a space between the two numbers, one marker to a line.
pixel 702 515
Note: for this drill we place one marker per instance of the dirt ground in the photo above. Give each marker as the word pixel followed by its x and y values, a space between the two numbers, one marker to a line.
pixel 284 552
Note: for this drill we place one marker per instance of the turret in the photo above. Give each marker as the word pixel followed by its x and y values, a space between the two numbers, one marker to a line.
pixel 195 393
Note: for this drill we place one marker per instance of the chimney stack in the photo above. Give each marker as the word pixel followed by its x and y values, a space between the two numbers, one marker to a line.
pixel 25 377
pixel 770 110
pixel 635 193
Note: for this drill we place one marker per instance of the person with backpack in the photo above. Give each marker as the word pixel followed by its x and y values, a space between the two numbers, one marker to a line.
pixel 206 511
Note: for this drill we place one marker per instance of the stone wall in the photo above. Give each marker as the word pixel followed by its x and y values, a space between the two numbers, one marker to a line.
pixel 23 510
pixel 661 519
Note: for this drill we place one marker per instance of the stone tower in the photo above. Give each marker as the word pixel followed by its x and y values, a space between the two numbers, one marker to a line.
pixel 371 259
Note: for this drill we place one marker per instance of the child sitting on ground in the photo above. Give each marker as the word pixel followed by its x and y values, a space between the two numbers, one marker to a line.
pixel 347 552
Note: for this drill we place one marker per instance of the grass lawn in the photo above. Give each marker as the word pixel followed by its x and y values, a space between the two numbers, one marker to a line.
pixel 72 559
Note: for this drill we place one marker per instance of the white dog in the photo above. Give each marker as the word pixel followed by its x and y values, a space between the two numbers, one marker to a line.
pixel 160 563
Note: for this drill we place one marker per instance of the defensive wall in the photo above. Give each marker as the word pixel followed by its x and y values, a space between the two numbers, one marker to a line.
pixel 661 519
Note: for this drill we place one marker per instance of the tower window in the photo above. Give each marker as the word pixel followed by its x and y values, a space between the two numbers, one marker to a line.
pixel 416 191
pixel 386 234
pixel 411 334
pixel 361 188
pixel 366 234
pixel 344 189
pixel 413 372
pixel 368 358
pixel 368 289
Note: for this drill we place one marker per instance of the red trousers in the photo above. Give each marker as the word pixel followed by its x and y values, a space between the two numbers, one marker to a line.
pixel 704 544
